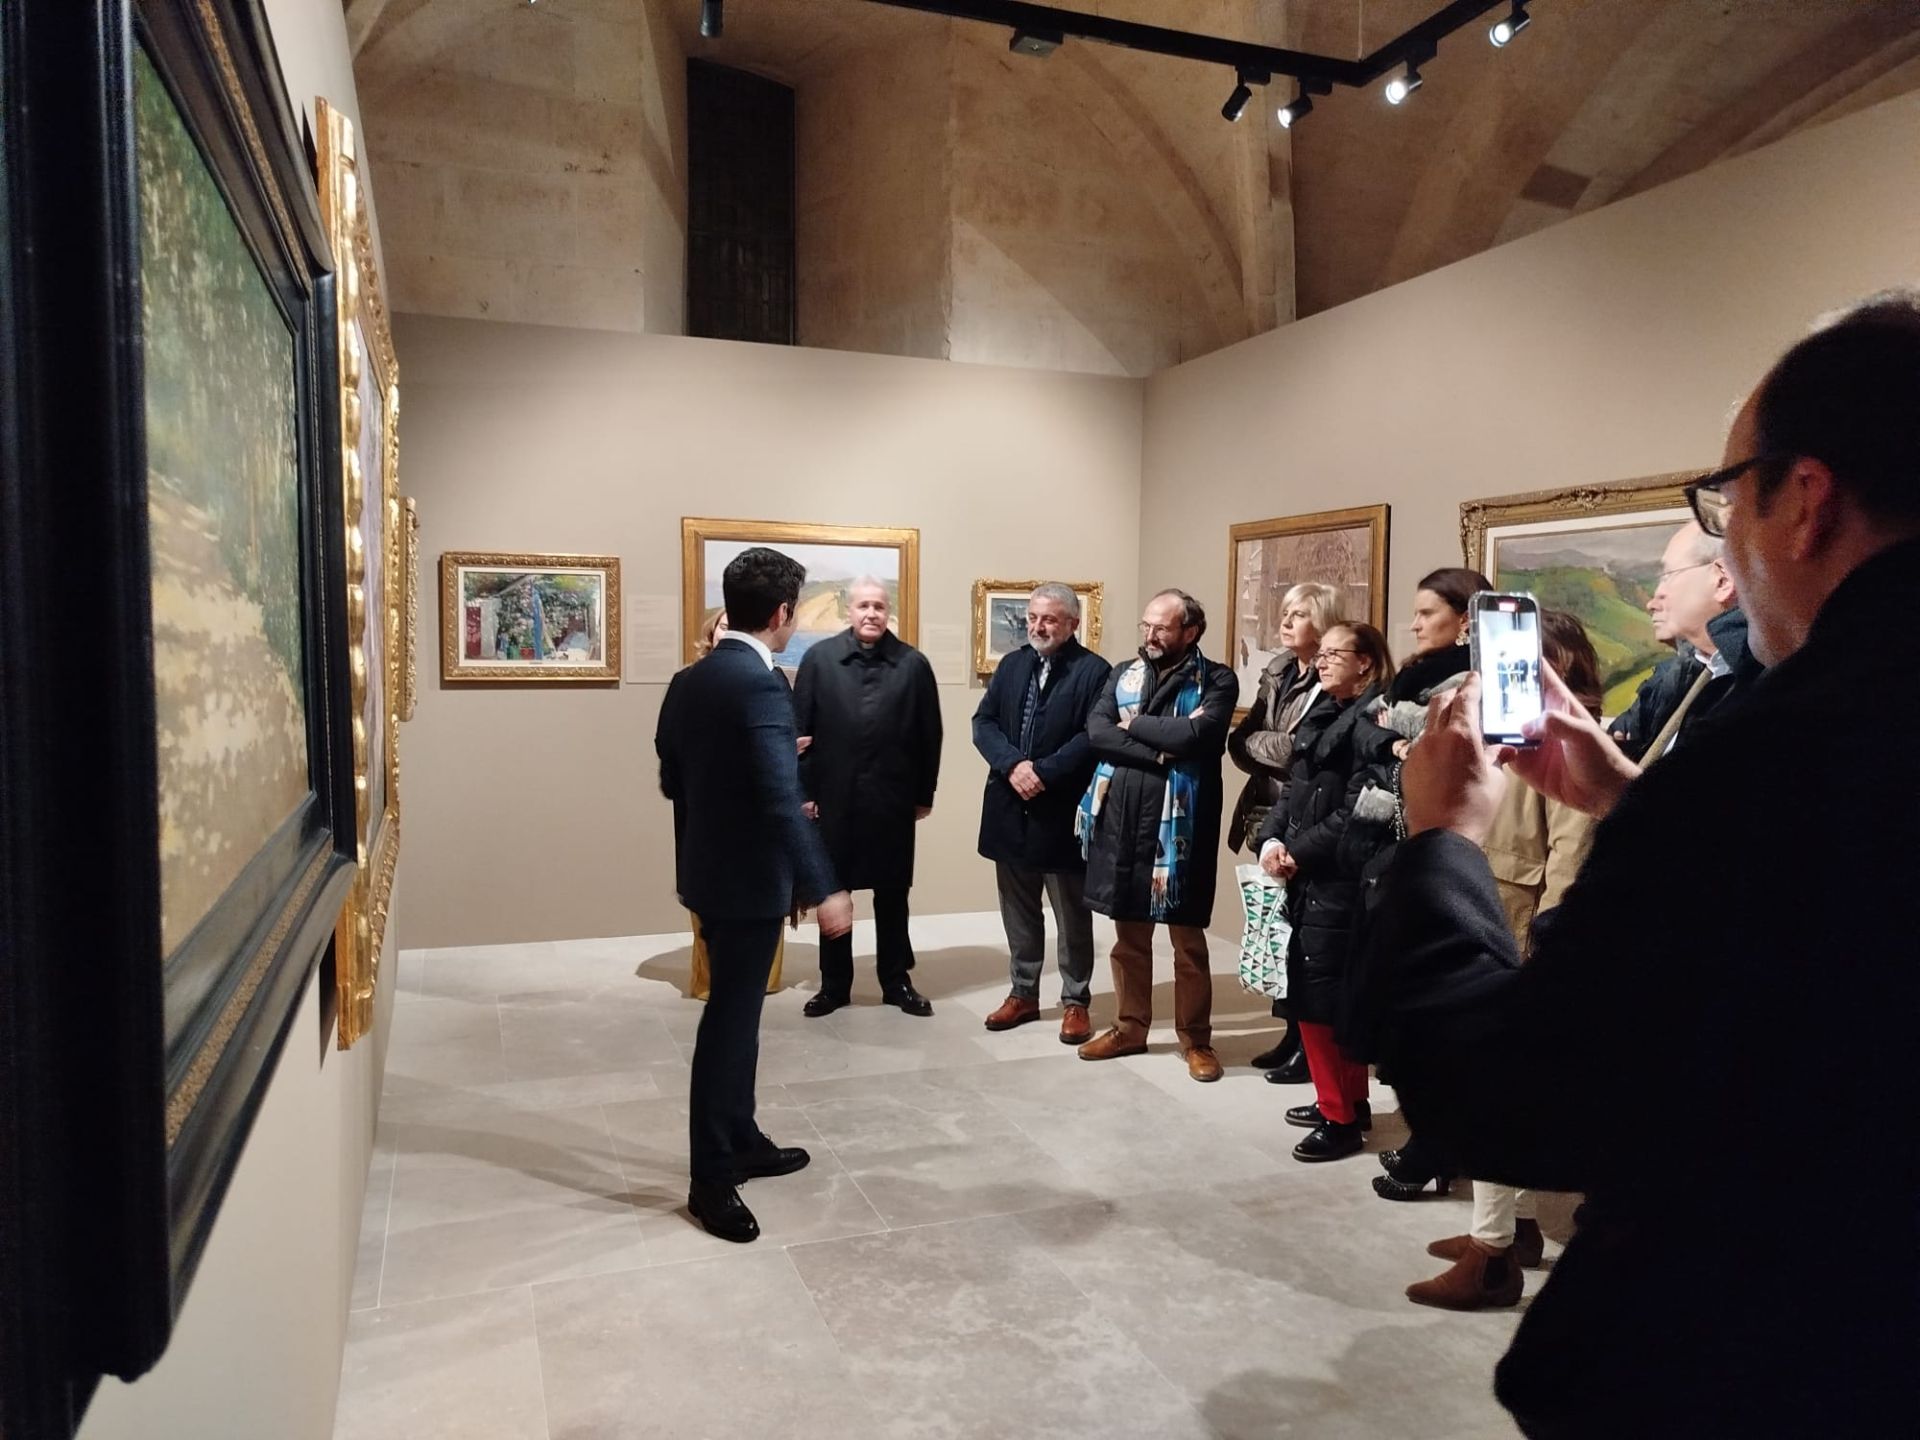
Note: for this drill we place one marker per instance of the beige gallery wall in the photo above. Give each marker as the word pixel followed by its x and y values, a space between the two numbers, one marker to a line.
pixel 1610 347
pixel 533 812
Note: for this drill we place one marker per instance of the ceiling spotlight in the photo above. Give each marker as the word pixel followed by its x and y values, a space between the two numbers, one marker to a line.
pixel 1236 105
pixel 1290 113
pixel 711 20
pixel 1041 43
pixel 1503 31
pixel 1401 86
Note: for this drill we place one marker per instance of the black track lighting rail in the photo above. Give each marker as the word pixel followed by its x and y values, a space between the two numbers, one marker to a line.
pixel 1416 44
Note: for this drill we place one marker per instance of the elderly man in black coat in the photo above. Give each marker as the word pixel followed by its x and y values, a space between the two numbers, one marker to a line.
pixel 1701 1295
pixel 1150 822
pixel 868 700
pixel 1031 728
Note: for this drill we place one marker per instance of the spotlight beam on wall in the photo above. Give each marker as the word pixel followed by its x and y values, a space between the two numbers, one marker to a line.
pixel 1238 55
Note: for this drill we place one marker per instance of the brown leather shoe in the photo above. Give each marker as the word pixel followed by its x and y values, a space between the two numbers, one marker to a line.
pixel 1203 1064
pixel 1076 1026
pixel 1014 1010
pixel 1481 1279
pixel 1529 1245
pixel 1110 1045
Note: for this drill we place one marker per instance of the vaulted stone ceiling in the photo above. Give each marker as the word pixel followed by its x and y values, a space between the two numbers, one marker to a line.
pixel 1596 101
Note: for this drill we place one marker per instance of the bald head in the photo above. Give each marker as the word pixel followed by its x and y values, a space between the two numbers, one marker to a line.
pixel 1694 587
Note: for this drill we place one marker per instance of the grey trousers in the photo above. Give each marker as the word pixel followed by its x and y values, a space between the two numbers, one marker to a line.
pixel 1020 890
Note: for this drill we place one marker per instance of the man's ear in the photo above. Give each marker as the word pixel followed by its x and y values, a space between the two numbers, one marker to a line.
pixel 1813 507
pixel 1725 592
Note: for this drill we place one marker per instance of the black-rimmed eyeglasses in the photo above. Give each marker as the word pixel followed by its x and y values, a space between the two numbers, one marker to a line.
pixel 1707 496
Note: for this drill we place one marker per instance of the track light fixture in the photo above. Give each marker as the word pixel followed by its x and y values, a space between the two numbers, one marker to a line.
pixel 1503 31
pixel 711 20
pixel 1302 103
pixel 1404 84
pixel 1237 102
pixel 1039 43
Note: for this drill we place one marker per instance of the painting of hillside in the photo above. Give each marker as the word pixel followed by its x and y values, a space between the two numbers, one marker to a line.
pixel 831 572
pixel 1604 575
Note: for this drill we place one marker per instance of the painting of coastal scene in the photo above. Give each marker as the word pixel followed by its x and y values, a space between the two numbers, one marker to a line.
pixel 1605 574
pixel 224 515
pixel 831 571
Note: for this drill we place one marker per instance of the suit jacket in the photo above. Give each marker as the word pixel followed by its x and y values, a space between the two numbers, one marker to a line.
pixel 742 848
pixel 1038 833
pixel 1703 942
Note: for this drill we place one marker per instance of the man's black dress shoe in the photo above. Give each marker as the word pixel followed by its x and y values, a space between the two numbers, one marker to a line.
pixel 825 1003
pixel 1308 1116
pixel 722 1212
pixel 1328 1141
pixel 1282 1054
pixel 1293 1072
pixel 769 1160
pixel 909 1000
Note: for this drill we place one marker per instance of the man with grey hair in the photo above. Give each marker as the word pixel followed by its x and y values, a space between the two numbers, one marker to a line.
pixel 1031 728
pixel 867 700
pixel 1150 824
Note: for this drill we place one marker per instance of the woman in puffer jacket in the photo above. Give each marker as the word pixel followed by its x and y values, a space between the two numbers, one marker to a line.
pixel 1311 840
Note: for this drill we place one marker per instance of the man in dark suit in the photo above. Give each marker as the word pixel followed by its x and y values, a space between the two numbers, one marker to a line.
pixel 1702 1296
pixel 1031 728
pixel 746 858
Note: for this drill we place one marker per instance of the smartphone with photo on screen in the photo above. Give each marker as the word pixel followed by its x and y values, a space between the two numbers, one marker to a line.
pixel 1506 653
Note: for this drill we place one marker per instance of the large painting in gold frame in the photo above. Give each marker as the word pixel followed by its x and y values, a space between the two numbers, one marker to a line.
pixel 835 556
pixel 1265 558
pixel 1592 550
pixel 370 477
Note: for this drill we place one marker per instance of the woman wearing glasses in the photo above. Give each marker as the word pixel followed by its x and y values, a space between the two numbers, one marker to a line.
pixel 1311 840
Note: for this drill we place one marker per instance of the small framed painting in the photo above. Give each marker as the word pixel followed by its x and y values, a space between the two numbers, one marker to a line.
pixel 1346 549
pixel 532 619
pixel 1593 551
pixel 1000 617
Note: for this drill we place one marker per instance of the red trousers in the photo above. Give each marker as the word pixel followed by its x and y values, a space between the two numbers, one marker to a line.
pixel 1337 1081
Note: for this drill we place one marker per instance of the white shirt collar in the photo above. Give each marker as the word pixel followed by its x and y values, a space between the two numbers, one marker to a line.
pixel 759 646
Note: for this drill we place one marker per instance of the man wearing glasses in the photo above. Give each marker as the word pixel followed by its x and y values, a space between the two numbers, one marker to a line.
pixel 1702 1296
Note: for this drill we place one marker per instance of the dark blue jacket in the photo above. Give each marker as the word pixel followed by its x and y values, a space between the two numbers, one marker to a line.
pixel 742 848
pixel 1038 834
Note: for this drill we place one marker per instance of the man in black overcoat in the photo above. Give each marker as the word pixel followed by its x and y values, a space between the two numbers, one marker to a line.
pixel 1151 822
pixel 868 700
pixel 745 859
pixel 1705 1293
pixel 1031 728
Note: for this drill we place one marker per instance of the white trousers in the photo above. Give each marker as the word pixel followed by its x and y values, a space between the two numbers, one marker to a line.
pixel 1495 1208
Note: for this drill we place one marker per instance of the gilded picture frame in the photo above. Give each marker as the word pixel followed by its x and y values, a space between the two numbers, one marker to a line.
pixel 369 444
pixel 409 607
pixel 529 618
pixel 834 555
pixel 1591 550
pixel 1347 549
pixel 1000 617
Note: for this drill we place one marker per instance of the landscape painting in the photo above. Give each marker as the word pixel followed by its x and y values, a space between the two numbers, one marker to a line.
pixel 530 618
pixel 834 556
pixel 1346 549
pixel 1000 618
pixel 1605 575
pixel 1593 551
pixel 373 528
pixel 223 500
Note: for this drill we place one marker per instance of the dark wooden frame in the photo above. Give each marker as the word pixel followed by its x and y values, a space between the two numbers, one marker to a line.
pixel 119 1147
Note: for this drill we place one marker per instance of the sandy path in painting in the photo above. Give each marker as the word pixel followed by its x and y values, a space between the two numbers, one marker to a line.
pixel 231 731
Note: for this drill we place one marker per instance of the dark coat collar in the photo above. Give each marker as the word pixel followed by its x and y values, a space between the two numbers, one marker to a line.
pixel 1424 672
pixel 1728 631
pixel 889 648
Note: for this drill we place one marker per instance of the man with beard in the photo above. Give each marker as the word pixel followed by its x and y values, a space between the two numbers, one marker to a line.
pixel 868 701
pixel 1150 824
pixel 1031 728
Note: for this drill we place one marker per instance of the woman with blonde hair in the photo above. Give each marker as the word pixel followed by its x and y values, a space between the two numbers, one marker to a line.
pixel 1262 745
pixel 699 983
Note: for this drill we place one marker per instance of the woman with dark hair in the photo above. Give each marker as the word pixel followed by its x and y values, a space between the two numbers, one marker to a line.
pixel 1311 840
pixel 1535 848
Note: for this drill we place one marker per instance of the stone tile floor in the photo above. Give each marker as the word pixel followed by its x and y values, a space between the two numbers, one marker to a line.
pixel 994 1237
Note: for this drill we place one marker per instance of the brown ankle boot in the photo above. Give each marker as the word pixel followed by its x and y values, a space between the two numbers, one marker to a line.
pixel 1481 1279
pixel 1529 1245
pixel 1111 1045
pixel 1014 1010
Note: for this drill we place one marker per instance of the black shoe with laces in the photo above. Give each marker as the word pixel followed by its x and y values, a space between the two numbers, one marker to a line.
pixel 909 1000
pixel 1329 1141
pixel 1307 1116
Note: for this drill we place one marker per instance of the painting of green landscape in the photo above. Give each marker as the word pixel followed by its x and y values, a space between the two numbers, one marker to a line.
pixel 223 501
pixel 1604 575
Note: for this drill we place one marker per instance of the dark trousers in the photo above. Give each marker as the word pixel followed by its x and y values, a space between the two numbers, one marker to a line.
pixel 895 947
pixel 726 1052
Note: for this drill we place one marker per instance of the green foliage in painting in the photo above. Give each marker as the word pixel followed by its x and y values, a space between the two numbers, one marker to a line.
pixel 1612 604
